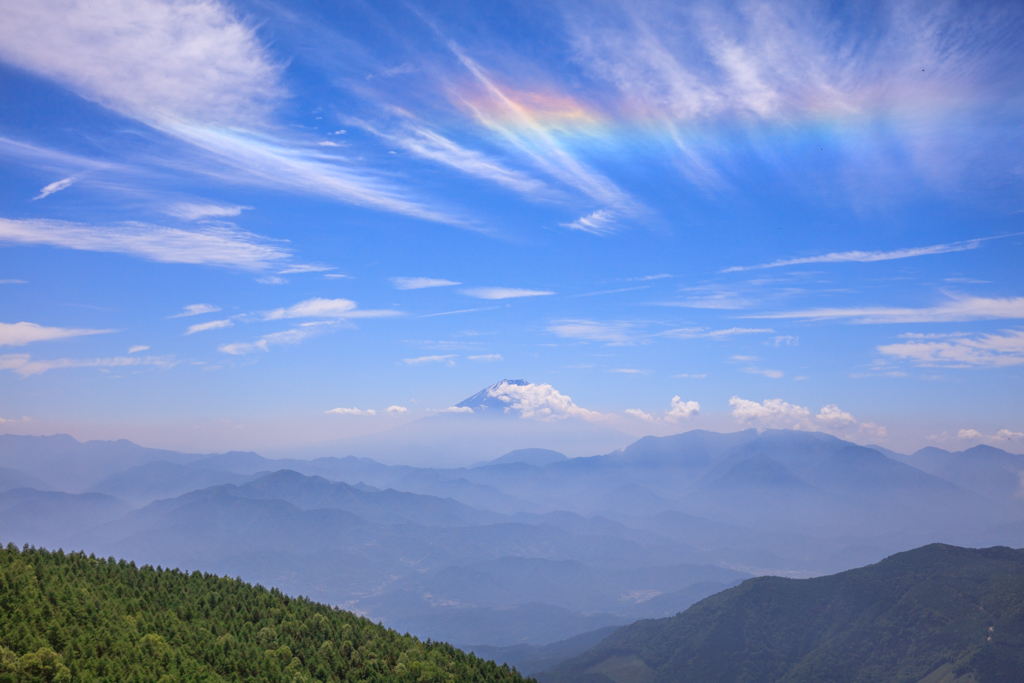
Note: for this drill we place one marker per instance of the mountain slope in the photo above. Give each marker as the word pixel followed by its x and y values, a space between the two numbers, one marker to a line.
pixel 942 612
pixel 72 617
pixel 988 471
pixel 66 464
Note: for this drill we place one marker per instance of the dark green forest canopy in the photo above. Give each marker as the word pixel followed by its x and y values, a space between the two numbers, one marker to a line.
pixel 72 617
pixel 937 614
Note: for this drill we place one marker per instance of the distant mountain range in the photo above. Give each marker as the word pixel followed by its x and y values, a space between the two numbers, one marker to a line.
pixel 528 548
pixel 937 614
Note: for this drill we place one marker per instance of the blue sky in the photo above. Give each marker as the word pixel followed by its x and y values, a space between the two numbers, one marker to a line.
pixel 220 220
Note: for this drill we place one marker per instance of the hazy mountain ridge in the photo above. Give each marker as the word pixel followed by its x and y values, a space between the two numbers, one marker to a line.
pixel 388 539
pixel 941 612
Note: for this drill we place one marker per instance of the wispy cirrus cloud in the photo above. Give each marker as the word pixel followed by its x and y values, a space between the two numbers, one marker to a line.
pixel 959 349
pixel 872 256
pixel 212 325
pixel 600 222
pixel 958 308
pixel 55 187
pixel 704 333
pixel 19 334
pixel 294 335
pixel 446 359
pixel 213 246
pixel 501 110
pixel 406 283
pixel 195 309
pixel 327 308
pixel 687 67
pixel 197 72
pixel 497 293
pixel 191 212
pixel 615 333
pixel 431 145
pixel 23 364
pixel 307 268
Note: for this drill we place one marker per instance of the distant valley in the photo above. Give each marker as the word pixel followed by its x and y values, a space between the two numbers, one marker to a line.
pixel 530 549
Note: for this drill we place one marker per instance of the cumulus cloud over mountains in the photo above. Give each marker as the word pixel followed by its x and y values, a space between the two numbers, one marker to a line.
pixel 775 413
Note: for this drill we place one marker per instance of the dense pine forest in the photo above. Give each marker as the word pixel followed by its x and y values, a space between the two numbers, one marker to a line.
pixel 73 617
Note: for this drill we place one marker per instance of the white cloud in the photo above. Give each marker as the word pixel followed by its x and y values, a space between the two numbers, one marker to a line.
pixel 775 413
pixel 630 371
pixel 957 350
pixel 772 413
pixel 336 276
pixel 212 325
pixel 771 374
pixel 421 282
pixel 540 401
pixel 686 375
pixel 306 268
pixel 835 418
pixel 54 187
pixel 212 246
pixel 427 144
pixel 686 66
pixel 153 60
pixel 457 409
pixel 351 411
pixel 704 333
pixel 396 410
pixel 616 333
pixel 195 309
pixel 500 111
pixel 723 300
pixel 293 336
pixel 255 159
pixel 194 71
pixel 646 278
pixel 447 359
pixel 870 256
pixel 23 364
pixel 463 310
pixel 19 334
pixel 13 282
pixel 137 349
pixel 487 358
pixel 1000 437
pixel 640 415
pixel 191 212
pixel 503 292
pixel 681 410
pixel 326 308
pixel 957 309
pixel 600 222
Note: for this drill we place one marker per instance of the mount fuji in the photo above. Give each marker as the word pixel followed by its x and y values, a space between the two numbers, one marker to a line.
pixel 513 414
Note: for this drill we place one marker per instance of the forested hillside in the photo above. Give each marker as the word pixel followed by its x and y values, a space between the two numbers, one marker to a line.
pixel 937 614
pixel 72 617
